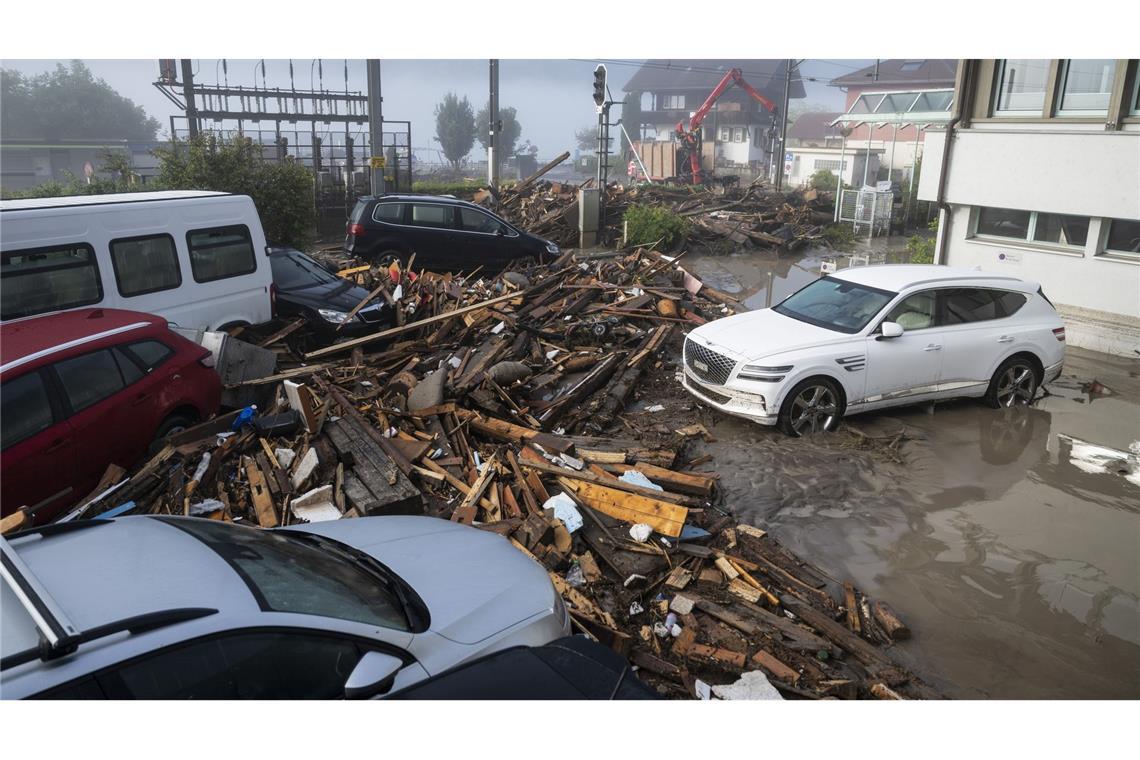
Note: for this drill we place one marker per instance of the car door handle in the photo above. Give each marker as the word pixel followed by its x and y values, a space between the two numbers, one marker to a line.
pixel 56 445
pixel 933 347
pixel 1005 339
pixel 140 399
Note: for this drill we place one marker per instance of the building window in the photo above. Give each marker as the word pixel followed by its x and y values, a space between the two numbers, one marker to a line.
pixel 145 264
pixel 1086 86
pixel 739 134
pixel 831 165
pixel 725 134
pixel 757 136
pixel 220 252
pixel 1021 85
pixel 674 102
pixel 1061 230
pixel 1134 109
pixel 1123 236
pixel 911 65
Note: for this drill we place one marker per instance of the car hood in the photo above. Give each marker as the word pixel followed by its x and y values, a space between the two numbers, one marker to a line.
pixel 756 334
pixel 326 296
pixel 474 583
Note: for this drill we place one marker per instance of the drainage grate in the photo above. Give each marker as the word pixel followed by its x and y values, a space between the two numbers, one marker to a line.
pixel 706 364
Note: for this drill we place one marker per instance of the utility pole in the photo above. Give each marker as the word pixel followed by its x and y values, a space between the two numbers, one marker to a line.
pixel 188 94
pixel 784 126
pixel 493 128
pixel 375 128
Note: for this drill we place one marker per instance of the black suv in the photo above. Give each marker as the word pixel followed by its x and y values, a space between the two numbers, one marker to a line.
pixel 444 233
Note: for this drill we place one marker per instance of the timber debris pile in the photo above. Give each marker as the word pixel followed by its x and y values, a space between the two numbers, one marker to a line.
pixel 753 216
pixel 497 401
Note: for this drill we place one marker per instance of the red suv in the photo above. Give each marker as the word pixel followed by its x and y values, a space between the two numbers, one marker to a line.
pixel 84 389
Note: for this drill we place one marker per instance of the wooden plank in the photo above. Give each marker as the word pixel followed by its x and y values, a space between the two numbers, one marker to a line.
pixel 16 521
pixel 481 484
pixel 284 332
pixel 852 607
pixel 677 481
pixel 589 477
pixel 663 517
pixel 775 667
pixel 656 665
pixel 837 632
pixel 349 344
pixel 581 603
pixel 259 493
pixel 364 302
pixel 391 491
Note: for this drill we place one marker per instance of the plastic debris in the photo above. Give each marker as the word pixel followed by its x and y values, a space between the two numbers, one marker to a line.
pixel 635 608
pixel 655 408
pixel 565 510
pixel 245 417
pixel 637 478
pixel 752 685
pixel 640 532
pixel 575 577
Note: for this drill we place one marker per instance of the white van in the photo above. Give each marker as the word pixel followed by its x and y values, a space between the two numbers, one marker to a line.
pixel 197 258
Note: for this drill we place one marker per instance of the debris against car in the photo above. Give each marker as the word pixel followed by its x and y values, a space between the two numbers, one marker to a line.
pixel 501 402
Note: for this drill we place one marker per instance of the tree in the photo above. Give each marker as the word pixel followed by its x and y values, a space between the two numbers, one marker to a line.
pixel 587 138
pixel 282 192
pixel 455 127
pixel 508 135
pixel 69 103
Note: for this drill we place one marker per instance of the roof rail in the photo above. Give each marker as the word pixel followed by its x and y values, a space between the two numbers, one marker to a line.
pixel 57 633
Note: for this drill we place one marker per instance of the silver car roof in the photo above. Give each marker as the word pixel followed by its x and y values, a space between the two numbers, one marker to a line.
pixel 899 277
pixel 137 565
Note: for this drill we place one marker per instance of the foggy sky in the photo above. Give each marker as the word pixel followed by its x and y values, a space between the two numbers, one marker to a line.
pixel 553 97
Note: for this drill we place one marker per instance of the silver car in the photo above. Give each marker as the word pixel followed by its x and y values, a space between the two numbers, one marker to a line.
pixel 155 607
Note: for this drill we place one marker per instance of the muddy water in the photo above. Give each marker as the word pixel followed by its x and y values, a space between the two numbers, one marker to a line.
pixel 1010 542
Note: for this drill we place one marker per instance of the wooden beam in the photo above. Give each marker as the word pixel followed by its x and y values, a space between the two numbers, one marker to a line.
pixel 349 344
pixel 259 493
pixel 620 485
pixel 663 517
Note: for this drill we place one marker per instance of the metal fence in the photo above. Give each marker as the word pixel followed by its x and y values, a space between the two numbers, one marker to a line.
pixel 868 211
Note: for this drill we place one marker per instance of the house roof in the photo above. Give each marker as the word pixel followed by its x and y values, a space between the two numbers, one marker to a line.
pixel 903 71
pixel 672 75
pixel 813 125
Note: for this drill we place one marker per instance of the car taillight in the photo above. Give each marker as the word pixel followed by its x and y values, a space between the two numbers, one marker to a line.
pixel 356 230
pixel 1059 333
pixel 273 300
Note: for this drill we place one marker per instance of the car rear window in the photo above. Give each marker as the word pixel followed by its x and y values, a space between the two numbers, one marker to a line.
pixel 1009 302
pixel 24 409
pixel 221 252
pixel 393 213
pixel 961 305
pixel 145 264
pixel 38 280
pixel 150 353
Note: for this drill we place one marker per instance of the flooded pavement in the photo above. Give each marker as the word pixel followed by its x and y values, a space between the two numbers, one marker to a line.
pixel 1008 540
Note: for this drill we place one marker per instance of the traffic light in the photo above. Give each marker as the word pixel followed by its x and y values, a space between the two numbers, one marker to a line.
pixel 600 85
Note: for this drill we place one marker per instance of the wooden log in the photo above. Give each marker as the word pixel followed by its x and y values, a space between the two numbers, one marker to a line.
pixel 852 607
pixel 890 621
pixel 656 665
pixel 837 632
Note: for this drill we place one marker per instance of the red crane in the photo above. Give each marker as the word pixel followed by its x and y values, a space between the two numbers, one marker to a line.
pixel 688 137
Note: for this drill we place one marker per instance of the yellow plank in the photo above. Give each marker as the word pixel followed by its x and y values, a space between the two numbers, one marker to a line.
pixel 663 517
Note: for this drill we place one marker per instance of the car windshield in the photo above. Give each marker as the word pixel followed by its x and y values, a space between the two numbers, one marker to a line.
pixel 835 304
pixel 302 573
pixel 293 271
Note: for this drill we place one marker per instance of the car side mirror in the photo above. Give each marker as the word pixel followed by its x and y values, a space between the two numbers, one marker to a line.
pixel 500 232
pixel 373 674
pixel 891 330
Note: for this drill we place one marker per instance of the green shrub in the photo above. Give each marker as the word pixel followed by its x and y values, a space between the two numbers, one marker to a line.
pixel 824 179
pixel 921 248
pixel 839 235
pixel 654 225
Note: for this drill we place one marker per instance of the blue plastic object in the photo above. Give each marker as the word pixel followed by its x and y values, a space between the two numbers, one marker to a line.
pixel 119 510
pixel 245 417
pixel 692 533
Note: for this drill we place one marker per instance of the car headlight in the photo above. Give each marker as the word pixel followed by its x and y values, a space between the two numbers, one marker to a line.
pixel 553 248
pixel 763 373
pixel 331 315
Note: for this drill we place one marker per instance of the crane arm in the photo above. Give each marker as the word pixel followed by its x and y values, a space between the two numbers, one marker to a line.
pixel 733 76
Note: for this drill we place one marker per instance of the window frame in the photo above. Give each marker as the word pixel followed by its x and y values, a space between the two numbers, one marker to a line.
pixel 1031 230
pixel 999 77
pixel 1133 109
pixel 135 238
pixel 936 317
pixel 128 349
pixel 670 99
pixel 404 206
pixel 190 252
pixel 1115 254
pixel 1059 96
pixel 447 207
pixel 61 246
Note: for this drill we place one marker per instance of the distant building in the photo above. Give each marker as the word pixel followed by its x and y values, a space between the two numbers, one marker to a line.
pixel 806 161
pixel 735 132
pixel 814 129
pixel 880 87
pixel 25 163
pixel 1042 181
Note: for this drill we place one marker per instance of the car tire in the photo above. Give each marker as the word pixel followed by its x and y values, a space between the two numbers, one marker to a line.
pixel 812 406
pixel 175 423
pixel 1015 382
pixel 387 257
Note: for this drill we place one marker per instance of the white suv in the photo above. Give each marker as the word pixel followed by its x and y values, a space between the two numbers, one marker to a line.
pixel 877 336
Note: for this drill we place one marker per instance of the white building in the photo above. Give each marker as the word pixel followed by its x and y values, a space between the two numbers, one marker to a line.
pixel 806 161
pixel 1040 176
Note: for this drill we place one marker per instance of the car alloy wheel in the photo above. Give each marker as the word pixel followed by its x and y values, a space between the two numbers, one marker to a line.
pixel 1016 385
pixel 813 409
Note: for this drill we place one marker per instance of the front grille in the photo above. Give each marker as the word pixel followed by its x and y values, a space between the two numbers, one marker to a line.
pixel 711 395
pixel 370 314
pixel 719 365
